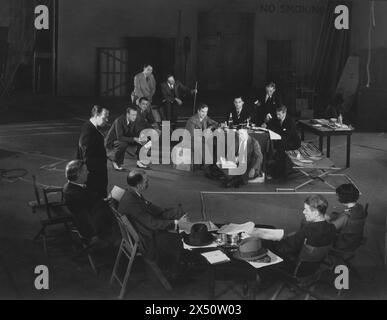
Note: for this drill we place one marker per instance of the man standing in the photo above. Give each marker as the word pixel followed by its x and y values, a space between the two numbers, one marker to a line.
pixel 92 151
pixel 144 85
pixel 267 104
pixel 154 225
pixel 240 113
pixel 172 92
pixel 125 134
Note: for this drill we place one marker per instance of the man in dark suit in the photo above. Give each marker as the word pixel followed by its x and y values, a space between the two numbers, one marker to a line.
pixel 92 151
pixel 173 92
pixel 249 157
pixel 267 104
pixel 315 231
pixel 125 134
pixel 284 125
pixel 240 113
pixel 91 214
pixel 155 225
pixel 145 117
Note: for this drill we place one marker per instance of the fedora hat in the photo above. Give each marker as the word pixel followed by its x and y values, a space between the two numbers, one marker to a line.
pixel 250 249
pixel 199 236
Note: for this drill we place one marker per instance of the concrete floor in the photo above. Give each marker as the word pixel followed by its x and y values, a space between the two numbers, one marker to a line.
pixel 43 147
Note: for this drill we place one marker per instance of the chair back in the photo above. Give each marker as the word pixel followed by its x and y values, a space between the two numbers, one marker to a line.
pixel 313 254
pixel 128 233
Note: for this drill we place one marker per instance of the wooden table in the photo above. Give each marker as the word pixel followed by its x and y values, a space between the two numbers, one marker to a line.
pixel 323 131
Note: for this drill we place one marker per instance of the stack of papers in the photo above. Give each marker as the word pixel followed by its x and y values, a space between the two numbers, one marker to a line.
pixel 215 257
pixel 260 264
pixel 233 228
pixel 268 234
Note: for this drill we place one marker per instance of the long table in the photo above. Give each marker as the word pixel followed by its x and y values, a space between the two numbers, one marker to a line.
pixel 323 131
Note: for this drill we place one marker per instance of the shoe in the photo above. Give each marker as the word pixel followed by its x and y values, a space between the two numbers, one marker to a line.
pixel 258 179
pixel 142 166
pixel 117 167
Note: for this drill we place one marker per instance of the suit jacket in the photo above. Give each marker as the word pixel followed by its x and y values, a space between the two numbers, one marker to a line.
pixel 290 139
pixel 122 132
pixel 195 123
pixel 246 113
pixel 91 214
pixel 178 91
pixel 145 119
pixel 316 234
pixel 143 87
pixel 267 106
pixel 147 219
pixel 91 148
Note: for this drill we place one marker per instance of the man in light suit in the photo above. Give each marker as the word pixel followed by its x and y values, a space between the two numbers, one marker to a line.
pixel 153 224
pixel 144 85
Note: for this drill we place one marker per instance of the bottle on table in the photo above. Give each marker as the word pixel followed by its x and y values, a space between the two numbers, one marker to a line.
pixel 340 119
pixel 230 121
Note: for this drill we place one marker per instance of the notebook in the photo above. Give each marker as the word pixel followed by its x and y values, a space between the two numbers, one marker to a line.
pixel 215 257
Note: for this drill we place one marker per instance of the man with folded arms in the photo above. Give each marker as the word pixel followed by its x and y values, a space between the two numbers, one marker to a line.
pixel 124 135
pixel 156 226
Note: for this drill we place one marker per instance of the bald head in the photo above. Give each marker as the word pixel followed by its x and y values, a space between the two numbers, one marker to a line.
pixel 137 179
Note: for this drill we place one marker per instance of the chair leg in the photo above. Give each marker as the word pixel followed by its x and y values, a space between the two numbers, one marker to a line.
pixel 45 248
pixel 92 264
pixel 156 270
pixel 126 278
pixel 278 291
pixel 39 233
pixel 119 254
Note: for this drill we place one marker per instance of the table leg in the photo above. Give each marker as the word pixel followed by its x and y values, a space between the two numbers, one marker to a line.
pixel 328 146
pixel 302 134
pixel 348 150
pixel 320 143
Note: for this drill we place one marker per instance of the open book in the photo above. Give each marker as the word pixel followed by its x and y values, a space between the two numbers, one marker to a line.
pixel 117 193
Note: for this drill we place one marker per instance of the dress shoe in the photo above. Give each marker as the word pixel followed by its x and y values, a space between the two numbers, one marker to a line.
pixel 117 167
pixel 142 165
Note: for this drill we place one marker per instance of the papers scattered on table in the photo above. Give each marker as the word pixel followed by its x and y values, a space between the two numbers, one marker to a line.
pixel 215 257
pixel 186 226
pixel 274 259
pixel 233 228
pixel 117 193
pixel 268 234
pixel 188 247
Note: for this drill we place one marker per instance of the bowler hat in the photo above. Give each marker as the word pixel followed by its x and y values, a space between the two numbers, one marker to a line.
pixel 199 236
pixel 250 249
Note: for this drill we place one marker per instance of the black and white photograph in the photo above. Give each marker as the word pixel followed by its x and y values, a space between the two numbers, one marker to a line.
pixel 193 150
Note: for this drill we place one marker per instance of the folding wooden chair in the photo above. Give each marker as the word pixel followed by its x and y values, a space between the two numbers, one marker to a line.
pixel 305 284
pixel 54 211
pixel 130 247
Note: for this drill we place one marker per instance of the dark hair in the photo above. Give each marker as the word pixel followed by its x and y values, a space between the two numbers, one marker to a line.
pixel 146 65
pixel 142 99
pixel 271 84
pixel 347 193
pixel 73 168
pixel 317 202
pixel 238 97
pixel 202 106
pixel 130 108
pixel 135 177
pixel 281 108
pixel 97 110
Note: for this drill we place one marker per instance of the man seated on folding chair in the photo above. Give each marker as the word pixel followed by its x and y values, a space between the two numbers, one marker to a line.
pixel 154 225
pixel 92 215
pixel 283 125
pixel 315 231
pixel 349 222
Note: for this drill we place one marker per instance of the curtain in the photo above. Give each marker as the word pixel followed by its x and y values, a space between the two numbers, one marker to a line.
pixel 331 52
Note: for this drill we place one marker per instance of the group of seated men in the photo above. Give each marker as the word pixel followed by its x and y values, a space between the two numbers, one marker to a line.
pixel 157 227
